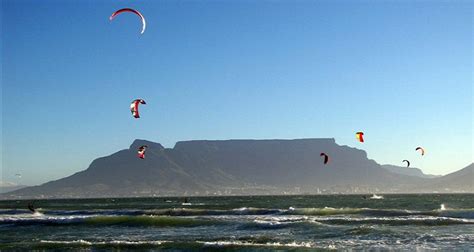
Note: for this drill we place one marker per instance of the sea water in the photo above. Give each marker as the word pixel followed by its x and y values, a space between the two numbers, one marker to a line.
pixel 326 222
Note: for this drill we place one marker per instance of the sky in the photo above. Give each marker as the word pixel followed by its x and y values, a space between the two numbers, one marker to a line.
pixel 400 71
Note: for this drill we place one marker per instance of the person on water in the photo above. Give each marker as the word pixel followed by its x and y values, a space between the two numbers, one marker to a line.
pixel 31 207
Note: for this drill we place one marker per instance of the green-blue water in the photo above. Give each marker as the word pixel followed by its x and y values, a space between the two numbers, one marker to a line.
pixel 325 222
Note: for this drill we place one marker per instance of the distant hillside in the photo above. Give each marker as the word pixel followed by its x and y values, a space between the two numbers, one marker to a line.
pixel 409 171
pixel 8 187
pixel 461 181
pixel 230 167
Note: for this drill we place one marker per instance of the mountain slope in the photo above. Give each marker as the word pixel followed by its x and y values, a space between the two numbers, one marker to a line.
pixel 228 167
pixel 460 181
pixel 121 174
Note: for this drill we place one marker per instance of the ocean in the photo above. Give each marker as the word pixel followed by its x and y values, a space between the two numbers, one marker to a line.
pixel 422 222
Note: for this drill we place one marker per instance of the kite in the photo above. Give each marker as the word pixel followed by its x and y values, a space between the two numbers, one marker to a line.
pixel 408 162
pixel 422 150
pixel 141 151
pixel 326 157
pixel 133 11
pixel 360 136
pixel 134 107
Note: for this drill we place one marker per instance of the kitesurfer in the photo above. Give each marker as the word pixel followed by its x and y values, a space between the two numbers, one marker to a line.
pixel 31 207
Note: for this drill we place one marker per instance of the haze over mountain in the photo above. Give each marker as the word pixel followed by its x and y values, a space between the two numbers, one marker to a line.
pixel 236 167
pixel 9 186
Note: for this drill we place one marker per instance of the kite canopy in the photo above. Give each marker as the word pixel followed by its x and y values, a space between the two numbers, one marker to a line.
pixel 420 149
pixel 360 136
pixel 133 11
pixel 134 107
pixel 326 157
pixel 408 162
pixel 141 151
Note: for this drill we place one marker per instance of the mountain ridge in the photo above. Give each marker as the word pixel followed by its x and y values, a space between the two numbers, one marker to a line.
pixel 229 167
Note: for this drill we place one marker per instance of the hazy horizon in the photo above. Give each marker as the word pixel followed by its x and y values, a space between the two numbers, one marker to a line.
pixel 12 183
pixel 401 72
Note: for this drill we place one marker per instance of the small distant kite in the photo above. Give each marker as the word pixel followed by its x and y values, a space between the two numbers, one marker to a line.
pixel 360 136
pixel 422 150
pixel 326 157
pixel 18 175
pixel 134 107
pixel 408 162
pixel 133 11
pixel 141 151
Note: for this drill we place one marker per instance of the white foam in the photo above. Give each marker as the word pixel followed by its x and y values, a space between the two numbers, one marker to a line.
pixel 282 220
pixel 138 242
pixel 266 222
pixel 268 244
pixel 442 207
pixel 42 217
pixel 241 209
pixel 192 204
pixel 116 242
pixel 375 196
pixel 80 242
pixel 38 214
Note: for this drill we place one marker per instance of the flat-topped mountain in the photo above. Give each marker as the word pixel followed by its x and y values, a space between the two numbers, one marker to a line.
pixel 228 167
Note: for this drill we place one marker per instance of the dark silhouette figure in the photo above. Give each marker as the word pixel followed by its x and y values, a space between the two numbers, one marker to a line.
pixel 31 207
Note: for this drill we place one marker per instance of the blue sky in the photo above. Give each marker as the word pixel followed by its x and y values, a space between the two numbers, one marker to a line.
pixel 401 71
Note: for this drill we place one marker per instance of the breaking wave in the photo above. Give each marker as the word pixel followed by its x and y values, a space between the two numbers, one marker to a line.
pixel 142 220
